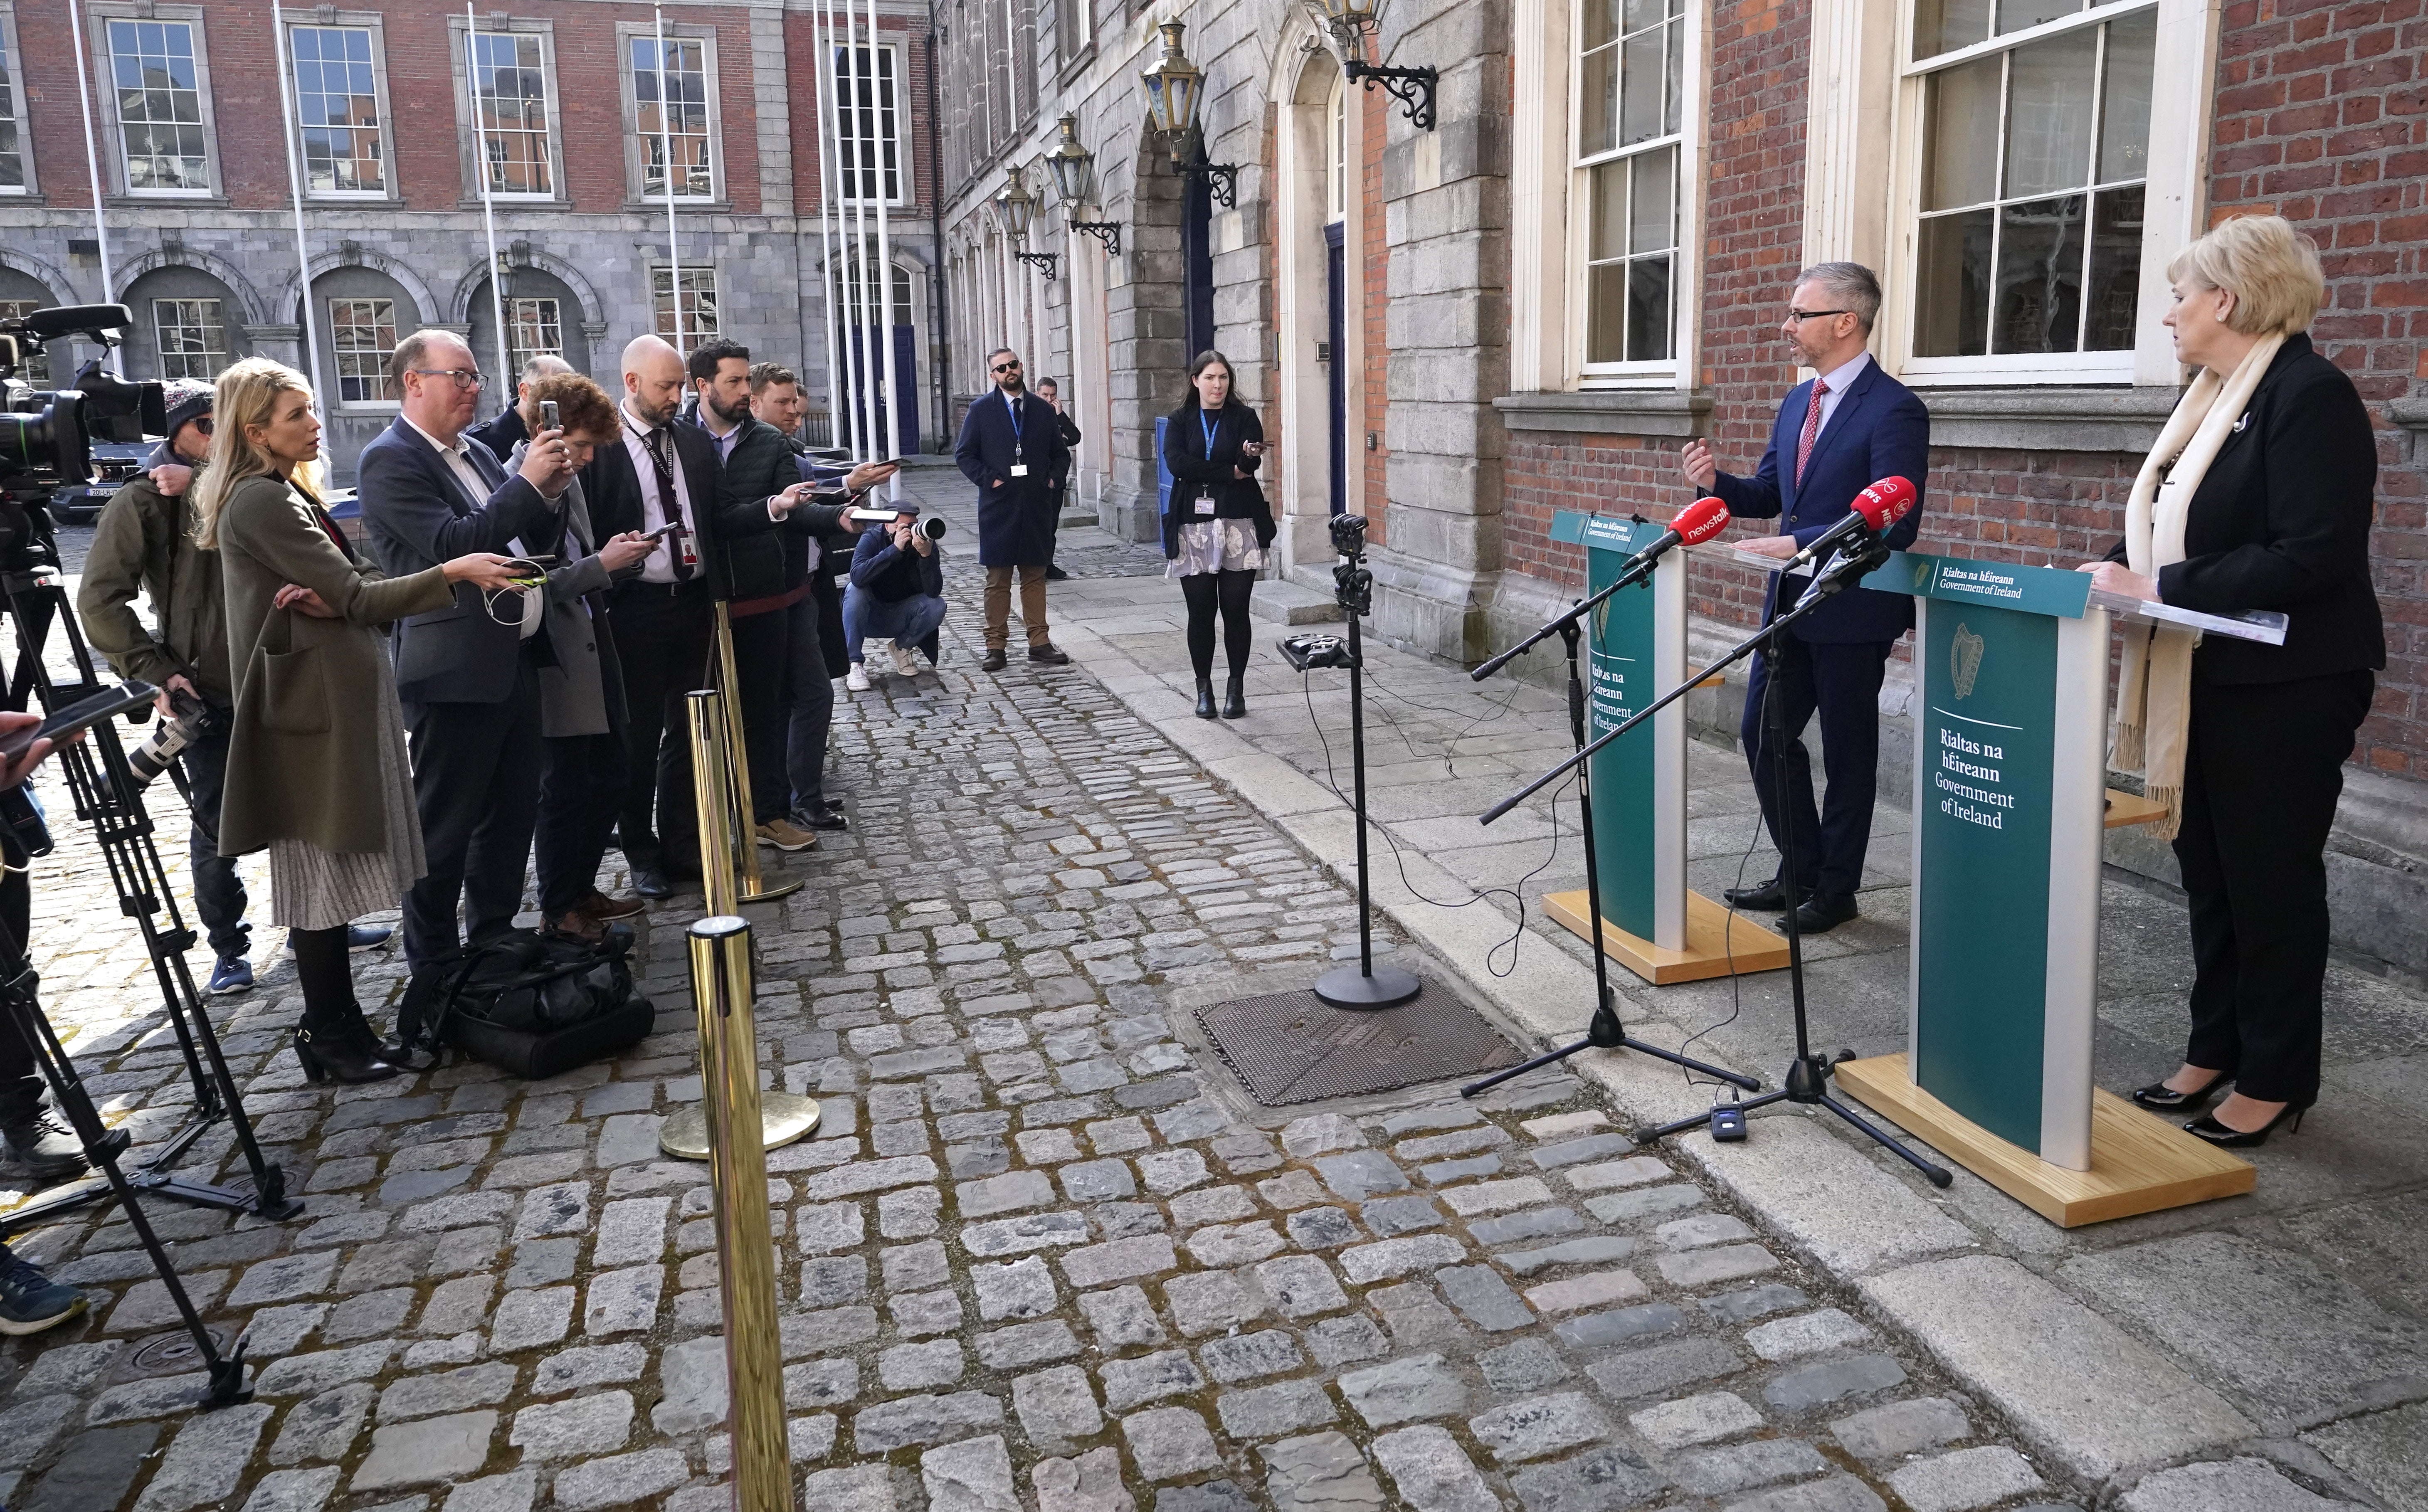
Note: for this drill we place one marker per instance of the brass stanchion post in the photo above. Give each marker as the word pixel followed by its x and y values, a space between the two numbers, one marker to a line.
pixel 754 1359
pixel 754 887
pixel 732 1051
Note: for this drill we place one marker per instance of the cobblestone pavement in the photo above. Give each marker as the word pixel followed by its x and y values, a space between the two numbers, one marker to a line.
pixel 1041 1255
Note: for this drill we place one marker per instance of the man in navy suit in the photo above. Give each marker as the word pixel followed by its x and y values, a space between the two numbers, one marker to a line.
pixel 468 678
pixel 1834 438
pixel 1011 446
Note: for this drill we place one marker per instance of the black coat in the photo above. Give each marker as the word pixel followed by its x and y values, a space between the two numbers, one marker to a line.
pixel 2281 521
pixel 1194 472
pixel 1016 516
pixel 612 487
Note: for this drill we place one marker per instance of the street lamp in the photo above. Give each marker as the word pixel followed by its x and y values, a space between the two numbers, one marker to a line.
pixel 1014 209
pixel 1173 88
pixel 1349 20
pixel 1073 170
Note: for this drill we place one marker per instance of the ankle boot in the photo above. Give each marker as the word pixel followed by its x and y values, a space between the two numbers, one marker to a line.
pixel 1235 698
pixel 1205 698
pixel 333 1052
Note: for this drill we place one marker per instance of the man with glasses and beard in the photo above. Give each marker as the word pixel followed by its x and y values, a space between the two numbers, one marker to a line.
pixel 1011 446
pixel 468 678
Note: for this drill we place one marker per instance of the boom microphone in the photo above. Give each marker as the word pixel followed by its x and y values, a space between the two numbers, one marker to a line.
pixel 1873 512
pixel 67 319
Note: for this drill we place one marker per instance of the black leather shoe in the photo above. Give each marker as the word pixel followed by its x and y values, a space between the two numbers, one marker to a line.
pixel 2208 1127
pixel 993 661
pixel 1824 911
pixel 333 1055
pixel 1205 698
pixel 651 881
pixel 1235 699
pixel 1055 574
pixel 821 817
pixel 40 1152
pixel 1766 898
pixel 1049 653
pixel 2160 1098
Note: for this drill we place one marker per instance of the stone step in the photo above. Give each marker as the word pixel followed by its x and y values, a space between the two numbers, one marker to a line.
pixel 1077 514
pixel 1287 604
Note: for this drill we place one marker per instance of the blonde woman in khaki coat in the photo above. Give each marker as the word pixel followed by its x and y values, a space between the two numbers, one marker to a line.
pixel 317 768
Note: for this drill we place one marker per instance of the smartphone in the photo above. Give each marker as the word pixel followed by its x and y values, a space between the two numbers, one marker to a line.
pixel 81 714
pixel 662 531
pixel 879 517
pixel 547 420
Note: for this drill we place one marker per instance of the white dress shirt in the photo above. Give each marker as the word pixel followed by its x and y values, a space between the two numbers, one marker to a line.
pixel 659 566
pixel 1839 380
pixel 459 462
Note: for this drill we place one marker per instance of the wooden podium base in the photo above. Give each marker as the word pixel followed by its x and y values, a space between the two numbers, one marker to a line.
pixel 1708 938
pixel 2139 1163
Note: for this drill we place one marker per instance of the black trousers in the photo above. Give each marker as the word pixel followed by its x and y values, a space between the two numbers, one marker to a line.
pixel 219 892
pixel 580 790
pixel 810 700
pixel 664 642
pixel 763 670
pixel 476 782
pixel 2262 770
pixel 1842 682
pixel 21 1080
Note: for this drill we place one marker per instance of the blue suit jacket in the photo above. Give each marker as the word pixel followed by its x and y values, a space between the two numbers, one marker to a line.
pixel 417 517
pixel 1878 430
pixel 1016 520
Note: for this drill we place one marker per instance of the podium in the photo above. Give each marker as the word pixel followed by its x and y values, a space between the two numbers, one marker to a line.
pixel 1636 648
pixel 2010 803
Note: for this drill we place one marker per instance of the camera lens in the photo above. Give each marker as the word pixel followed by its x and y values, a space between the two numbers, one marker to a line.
pixel 932 528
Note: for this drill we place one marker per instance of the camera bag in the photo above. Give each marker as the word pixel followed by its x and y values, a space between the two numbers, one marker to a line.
pixel 537 1005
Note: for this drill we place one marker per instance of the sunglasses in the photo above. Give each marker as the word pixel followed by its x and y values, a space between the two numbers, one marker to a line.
pixel 1007 367
pixel 202 423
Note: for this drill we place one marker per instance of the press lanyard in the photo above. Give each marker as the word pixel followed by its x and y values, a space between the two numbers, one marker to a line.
pixel 1207 428
pixel 1014 406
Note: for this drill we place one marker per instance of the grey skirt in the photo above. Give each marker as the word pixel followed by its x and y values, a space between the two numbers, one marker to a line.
pixel 1216 546
pixel 315 889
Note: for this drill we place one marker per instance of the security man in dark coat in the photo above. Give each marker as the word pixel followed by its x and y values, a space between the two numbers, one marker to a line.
pixel 1011 446
pixel 1834 438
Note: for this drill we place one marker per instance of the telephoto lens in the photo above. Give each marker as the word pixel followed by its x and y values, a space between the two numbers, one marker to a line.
pixel 932 528
pixel 168 736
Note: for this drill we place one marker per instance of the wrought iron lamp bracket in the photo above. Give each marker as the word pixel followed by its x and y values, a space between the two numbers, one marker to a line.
pixel 1043 261
pixel 1412 87
pixel 1107 232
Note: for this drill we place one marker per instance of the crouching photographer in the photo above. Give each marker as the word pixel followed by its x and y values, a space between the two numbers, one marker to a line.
pixel 898 592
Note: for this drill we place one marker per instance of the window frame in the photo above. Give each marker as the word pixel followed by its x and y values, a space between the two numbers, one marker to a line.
pixel 328 314
pixel 160 348
pixel 716 293
pixel 2174 191
pixel 905 194
pixel 1575 172
pixel 636 163
pixel 12 77
pixel 522 354
pixel 102 13
pixel 372 21
pixel 468 116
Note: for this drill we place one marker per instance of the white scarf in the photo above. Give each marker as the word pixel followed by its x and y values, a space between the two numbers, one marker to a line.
pixel 2153 696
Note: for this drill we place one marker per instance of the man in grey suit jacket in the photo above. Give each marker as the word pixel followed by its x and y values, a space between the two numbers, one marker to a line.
pixel 467 675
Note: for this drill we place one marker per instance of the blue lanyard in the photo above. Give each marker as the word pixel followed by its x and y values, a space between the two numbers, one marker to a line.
pixel 1207 429
pixel 1012 405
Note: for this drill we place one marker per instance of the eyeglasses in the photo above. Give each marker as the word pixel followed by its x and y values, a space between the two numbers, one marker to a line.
pixel 465 377
pixel 1795 314
pixel 200 423
pixel 1007 366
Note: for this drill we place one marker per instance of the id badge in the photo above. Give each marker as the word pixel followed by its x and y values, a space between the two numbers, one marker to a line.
pixel 686 548
pixel 1205 504
pixel 1020 469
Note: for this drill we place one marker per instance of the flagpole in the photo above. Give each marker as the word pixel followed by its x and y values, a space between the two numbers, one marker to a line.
pixel 295 188
pixel 893 442
pixel 847 281
pixel 666 150
pixel 488 206
pixel 92 173
pixel 824 85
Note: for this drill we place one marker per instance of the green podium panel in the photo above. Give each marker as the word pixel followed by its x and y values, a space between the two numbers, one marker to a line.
pixel 1636 651
pixel 2009 785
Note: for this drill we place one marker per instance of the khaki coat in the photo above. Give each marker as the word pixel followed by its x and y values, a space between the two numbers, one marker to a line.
pixel 303 755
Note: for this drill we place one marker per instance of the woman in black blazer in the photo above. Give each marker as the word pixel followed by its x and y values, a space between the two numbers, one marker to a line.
pixel 1216 524
pixel 2279 520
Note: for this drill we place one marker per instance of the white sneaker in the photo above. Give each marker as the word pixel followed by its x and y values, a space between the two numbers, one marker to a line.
pixel 904 664
pixel 856 679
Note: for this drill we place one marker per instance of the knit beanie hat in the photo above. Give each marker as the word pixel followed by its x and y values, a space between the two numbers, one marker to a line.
pixel 187 399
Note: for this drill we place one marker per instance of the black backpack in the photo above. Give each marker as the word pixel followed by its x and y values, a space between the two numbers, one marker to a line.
pixel 533 1004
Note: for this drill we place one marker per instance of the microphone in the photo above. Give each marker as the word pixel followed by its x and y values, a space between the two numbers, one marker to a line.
pixel 66 320
pixel 1874 511
pixel 1691 526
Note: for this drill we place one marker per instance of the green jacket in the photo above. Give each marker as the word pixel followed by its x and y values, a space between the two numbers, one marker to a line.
pixel 763 558
pixel 303 755
pixel 145 544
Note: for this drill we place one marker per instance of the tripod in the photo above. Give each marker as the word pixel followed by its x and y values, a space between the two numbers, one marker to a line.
pixel 106 797
pixel 1604 1032
pixel 1808 1075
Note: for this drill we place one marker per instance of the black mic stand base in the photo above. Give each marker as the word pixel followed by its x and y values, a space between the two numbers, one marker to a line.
pixel 1808 1082
pixel 1604 1032
pixel 1382 987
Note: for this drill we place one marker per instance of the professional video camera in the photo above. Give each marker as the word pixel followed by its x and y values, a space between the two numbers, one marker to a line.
pixel 47 439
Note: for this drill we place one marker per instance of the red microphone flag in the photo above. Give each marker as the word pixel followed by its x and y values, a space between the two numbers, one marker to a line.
pixel 1885 502
pixel 1700 520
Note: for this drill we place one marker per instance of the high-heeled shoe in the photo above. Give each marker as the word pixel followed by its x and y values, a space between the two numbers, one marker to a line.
pixel 330 1054
pixel 2160 1098
pixel 1235 698
pixel 1205 698
pixel 2225 1138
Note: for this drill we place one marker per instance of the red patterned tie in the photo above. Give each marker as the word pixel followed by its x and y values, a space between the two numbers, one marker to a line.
pixel 1811 429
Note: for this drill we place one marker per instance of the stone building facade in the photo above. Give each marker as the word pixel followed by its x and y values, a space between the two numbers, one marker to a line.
pixel 200 223
pixel 1526 307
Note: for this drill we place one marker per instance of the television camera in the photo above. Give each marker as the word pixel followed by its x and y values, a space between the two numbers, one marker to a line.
pixel 47 439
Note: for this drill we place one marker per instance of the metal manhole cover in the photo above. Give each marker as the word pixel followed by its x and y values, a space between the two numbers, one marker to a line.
pixel 170 1353
pixel 1294 1047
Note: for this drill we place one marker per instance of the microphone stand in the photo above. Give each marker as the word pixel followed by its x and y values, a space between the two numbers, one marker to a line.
pixel 1807 1078
pixel 1364 986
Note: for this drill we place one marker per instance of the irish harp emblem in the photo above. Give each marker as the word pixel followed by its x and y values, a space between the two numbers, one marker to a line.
pixel 1964 660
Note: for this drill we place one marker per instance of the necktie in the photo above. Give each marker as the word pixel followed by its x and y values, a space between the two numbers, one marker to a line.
pixel 1811 429
pixel 656 441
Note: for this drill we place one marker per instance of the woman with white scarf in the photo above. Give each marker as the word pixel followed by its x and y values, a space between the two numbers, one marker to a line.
pixel 2258 496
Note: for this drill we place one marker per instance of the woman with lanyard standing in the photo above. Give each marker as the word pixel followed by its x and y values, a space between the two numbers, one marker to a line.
pixel 1216 524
